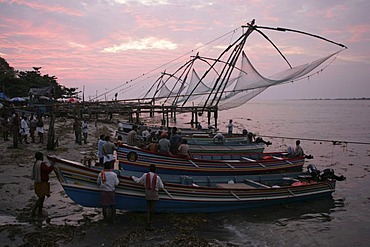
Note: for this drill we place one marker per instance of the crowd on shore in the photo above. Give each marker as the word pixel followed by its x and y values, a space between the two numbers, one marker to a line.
pixel 22 128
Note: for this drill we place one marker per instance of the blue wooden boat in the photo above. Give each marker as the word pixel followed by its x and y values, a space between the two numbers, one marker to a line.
pixel 79 183
pixel 136 159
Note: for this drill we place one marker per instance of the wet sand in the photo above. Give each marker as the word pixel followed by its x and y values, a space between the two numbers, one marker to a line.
pixel 71 224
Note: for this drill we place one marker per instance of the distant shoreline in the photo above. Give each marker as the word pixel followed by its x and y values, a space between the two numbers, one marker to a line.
pixel 363 98
pixel 327 99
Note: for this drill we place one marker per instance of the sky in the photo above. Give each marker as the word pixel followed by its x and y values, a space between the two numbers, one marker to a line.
pixel 102 46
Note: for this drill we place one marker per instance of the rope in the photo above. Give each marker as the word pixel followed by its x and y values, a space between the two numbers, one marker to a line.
pixel 321 140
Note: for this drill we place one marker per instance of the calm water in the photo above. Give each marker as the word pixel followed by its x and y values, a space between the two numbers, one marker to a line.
pixel 343 220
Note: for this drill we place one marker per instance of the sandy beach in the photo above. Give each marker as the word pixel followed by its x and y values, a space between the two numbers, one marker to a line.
pixel 71 224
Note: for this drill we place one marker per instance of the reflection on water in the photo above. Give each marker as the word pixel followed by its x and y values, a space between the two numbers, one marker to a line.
pixel 274 225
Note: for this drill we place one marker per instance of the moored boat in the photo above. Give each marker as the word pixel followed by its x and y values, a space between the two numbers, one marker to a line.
pixel 222 148
pixel 79 183
pixel 136 159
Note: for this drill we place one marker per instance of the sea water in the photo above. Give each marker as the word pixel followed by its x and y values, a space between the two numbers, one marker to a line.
pixel 344 219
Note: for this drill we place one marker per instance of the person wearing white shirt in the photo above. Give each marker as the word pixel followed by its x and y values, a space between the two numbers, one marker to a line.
pixel 25 130
pixel 107 181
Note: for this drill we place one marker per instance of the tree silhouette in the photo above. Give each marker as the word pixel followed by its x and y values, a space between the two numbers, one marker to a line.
pixel 15 83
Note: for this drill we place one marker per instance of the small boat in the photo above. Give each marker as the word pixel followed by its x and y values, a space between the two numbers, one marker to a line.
pixel 227 148
pixel 79 183
pixel 242 156
pixel 136 159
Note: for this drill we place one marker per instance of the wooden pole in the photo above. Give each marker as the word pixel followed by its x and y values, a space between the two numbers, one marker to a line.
pixel 51 134
pixel 216 116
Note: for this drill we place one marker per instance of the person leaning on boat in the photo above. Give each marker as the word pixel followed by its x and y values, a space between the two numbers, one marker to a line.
pixel 40 174
pixel 107 181
pixel 153 184
pixel 219 138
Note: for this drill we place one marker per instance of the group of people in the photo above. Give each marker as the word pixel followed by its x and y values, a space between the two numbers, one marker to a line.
pixel 168 142
pixel 23 127
pixel 107 181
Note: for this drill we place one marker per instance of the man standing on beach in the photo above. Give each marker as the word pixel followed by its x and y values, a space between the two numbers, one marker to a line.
pixel 107 181
pixel 108 149
pixel 40 129
pixel 100 149
pixel 40 174
pixel 152 184
pixel 33 122
pixel 85 130
pixel 78 131
pixel 15 129
pixel 25 130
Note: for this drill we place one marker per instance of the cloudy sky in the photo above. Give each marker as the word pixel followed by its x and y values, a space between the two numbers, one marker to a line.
pixel 108 44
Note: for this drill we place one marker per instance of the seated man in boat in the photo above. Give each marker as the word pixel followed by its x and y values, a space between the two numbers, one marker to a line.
pixel 120 126
pixel 219 138
pixel 298 151
pixel 184 150
pixel 145 134
pixel 132 137
pixel 175 141
pixel 153 145
pixel 164 145
pixel 230 127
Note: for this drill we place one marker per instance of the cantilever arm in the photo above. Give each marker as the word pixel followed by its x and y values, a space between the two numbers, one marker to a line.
pixel 301 32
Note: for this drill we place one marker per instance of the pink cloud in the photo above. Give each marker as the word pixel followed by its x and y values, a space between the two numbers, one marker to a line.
pixel 359 33
pixel 44 7
pixel 173 25
pixel 335 11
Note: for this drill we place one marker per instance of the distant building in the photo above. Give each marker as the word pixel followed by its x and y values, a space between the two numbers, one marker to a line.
pixel 41 93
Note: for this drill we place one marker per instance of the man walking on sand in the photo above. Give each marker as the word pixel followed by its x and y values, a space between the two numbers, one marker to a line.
pixel 40 174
